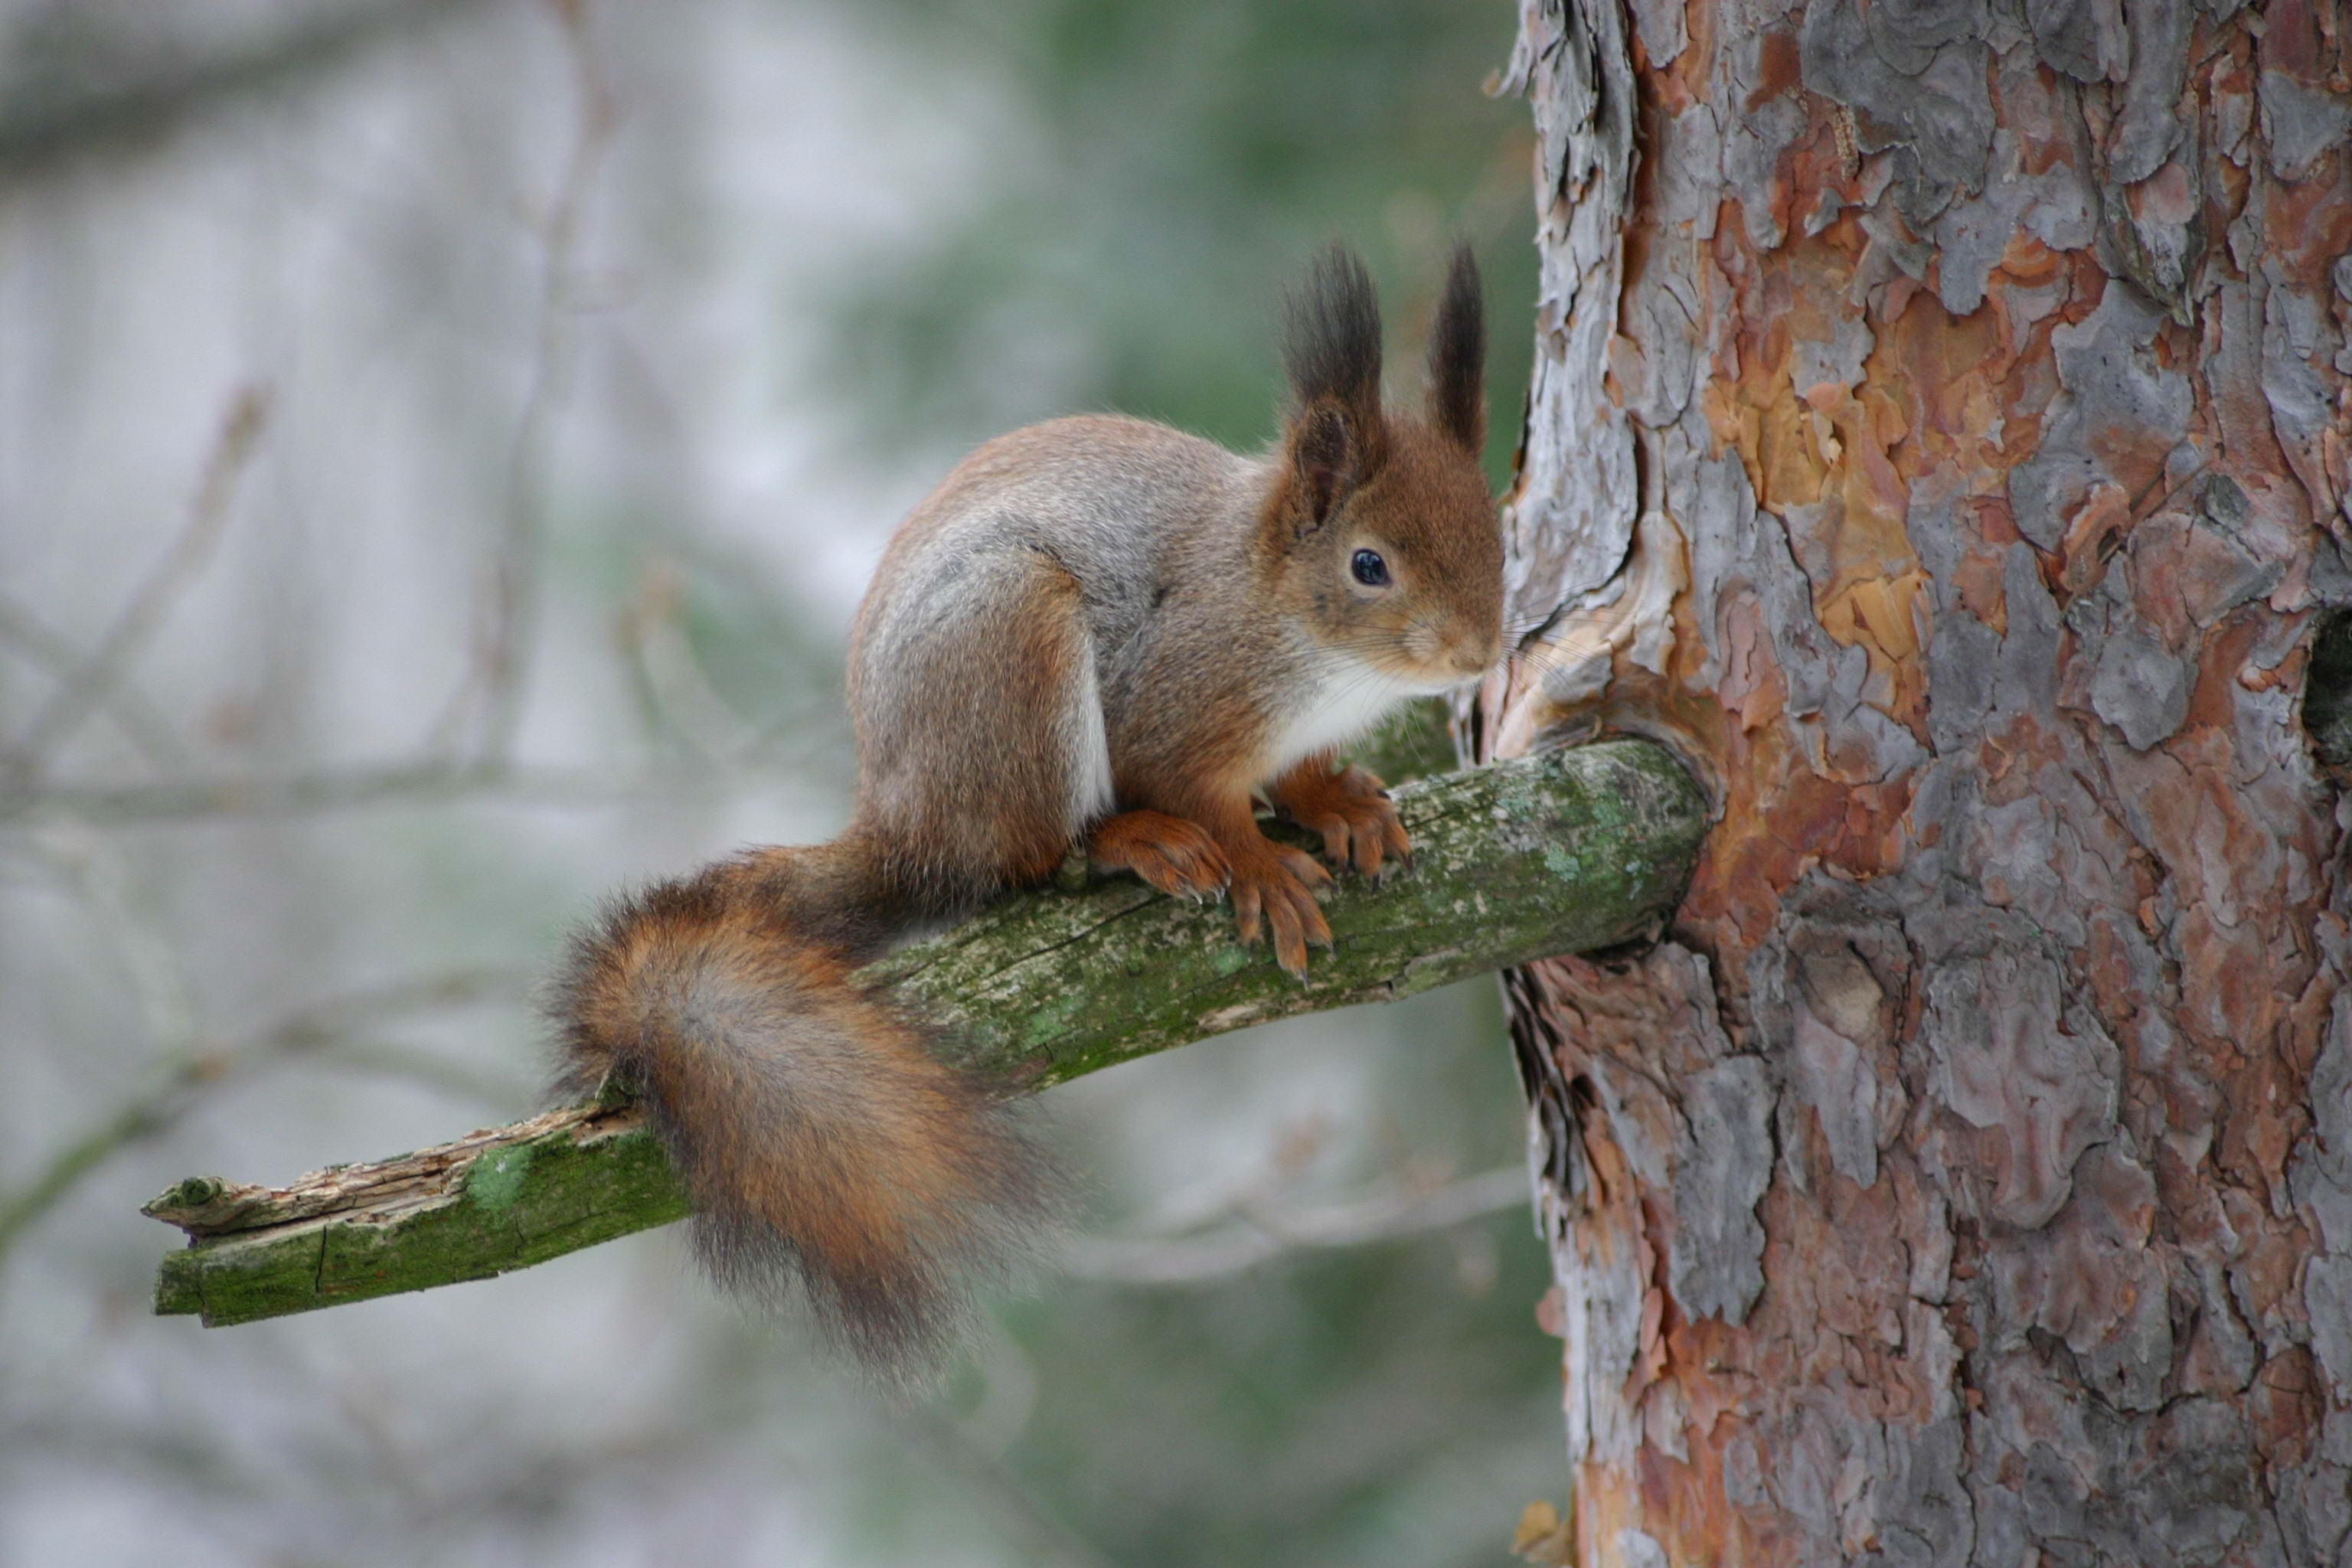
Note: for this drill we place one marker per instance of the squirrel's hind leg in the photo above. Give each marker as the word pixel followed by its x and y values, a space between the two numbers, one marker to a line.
pixel 982 756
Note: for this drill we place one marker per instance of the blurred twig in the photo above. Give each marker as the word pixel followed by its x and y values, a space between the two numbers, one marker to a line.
pixel 388 1058
pixel 141 720
pixel 1043 1539
pixel 185 1072
pixel 1265 1235
pixel 490 699
pixel 391 784
pixel 672 683
pixel 354 1464
pixel 100 874
pixel 82 690
pixel 69 99
pixel 326 789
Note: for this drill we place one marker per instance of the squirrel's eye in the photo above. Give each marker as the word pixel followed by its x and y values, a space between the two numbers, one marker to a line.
pixel 1369 569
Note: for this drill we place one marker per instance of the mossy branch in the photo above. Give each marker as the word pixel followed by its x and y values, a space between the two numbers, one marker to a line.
pixel 1563 852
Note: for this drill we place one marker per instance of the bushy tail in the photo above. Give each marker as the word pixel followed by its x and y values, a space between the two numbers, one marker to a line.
pixel 820 1139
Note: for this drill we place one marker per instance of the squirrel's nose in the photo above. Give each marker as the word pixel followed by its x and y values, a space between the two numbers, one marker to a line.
pixel 1476 658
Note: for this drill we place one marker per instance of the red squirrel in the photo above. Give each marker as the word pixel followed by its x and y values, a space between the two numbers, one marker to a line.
pixel 1096 632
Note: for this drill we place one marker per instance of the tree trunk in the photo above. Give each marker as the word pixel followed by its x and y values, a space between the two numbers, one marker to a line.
pixel 1939 437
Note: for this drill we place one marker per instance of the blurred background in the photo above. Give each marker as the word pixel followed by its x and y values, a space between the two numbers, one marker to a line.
pixel 441 445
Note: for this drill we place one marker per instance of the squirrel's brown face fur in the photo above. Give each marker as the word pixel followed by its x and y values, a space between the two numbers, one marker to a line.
pixel 1386 545
pixel 1407 574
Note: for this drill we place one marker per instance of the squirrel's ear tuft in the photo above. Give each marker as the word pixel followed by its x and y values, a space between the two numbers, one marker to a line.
pixel 1333 347
pixel 1458 358
pixel 1336 437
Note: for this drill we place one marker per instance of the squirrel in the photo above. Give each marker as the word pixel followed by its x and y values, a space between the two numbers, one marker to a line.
pixel 1099 633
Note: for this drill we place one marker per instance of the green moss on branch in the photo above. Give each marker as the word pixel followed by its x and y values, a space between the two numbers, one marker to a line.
pixel 1563 852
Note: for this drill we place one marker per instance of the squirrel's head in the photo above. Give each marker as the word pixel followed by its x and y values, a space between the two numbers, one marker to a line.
pixel 1385 535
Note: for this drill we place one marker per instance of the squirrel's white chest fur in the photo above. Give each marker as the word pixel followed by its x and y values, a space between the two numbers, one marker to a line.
pixel 1350 698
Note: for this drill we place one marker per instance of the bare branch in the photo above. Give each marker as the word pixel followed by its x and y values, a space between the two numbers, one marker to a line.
pixel 187 1074
pixel 674 684
pixel 141 720
pixel 1045 1539
pixel 53 115
pixel 82 692
pixel 1267 1235
pixel 490 699
pixel 287 795
pixel 507 1092
pixel 100 876
pixel 390 784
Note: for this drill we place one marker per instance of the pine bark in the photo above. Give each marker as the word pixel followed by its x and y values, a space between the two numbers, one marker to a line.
pixel 1939 438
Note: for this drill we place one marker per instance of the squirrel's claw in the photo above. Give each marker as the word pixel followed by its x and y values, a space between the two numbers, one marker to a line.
pixel 1177 857
pixel 1351 811
pixel 1273 884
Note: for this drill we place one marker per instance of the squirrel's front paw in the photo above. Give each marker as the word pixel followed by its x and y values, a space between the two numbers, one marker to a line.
pixel 1349 809
pixel 1176 857
pixel 1278 883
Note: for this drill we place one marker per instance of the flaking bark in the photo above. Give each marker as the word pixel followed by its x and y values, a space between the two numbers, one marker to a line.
pixel 1939 429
